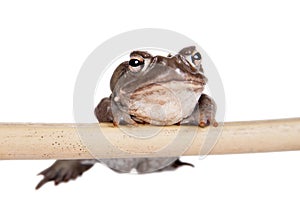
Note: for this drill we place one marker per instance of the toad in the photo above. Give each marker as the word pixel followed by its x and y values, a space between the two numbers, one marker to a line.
pixel 156 90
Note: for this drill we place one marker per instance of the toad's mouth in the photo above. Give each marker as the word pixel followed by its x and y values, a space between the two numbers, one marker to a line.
pixel 165 103
pixel 171 85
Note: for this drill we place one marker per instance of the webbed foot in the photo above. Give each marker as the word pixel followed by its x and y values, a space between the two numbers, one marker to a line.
pixel 63 171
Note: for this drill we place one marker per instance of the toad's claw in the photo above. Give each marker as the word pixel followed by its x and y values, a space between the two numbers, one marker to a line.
pixel 202 124
pixel 206 119
pixel 215 124
pixel 206 123
pixel 63 171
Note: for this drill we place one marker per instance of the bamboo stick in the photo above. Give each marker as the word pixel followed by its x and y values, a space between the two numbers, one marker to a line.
pixel 85 141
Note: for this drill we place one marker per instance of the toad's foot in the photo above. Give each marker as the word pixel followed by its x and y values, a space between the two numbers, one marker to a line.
pixel 63 171
pixel 175 165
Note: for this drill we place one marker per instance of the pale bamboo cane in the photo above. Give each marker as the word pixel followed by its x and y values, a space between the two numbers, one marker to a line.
pixel 62 141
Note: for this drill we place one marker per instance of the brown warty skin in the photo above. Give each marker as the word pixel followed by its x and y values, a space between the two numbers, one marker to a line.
pixel 148 89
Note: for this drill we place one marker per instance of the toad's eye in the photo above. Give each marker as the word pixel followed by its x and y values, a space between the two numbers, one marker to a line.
pixel 135 62
pixel 196 56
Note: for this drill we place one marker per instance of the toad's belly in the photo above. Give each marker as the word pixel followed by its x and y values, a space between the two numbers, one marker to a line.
pixel 165 103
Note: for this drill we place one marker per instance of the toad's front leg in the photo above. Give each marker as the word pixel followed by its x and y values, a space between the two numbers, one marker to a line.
pixel 203 114
pixel 109 111
pixel 208 108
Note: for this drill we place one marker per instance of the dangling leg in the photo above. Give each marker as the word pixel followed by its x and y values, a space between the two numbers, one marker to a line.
pixel 64 170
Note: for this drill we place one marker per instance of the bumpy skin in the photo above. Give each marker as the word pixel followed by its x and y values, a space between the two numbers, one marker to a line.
pixel 202 115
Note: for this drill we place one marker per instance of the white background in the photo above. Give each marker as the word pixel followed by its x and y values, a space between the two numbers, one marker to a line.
pixel 254 44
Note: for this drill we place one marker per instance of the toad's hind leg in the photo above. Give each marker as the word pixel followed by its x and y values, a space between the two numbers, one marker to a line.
pixel 64 170
pixel 175 165
pixel 147 165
